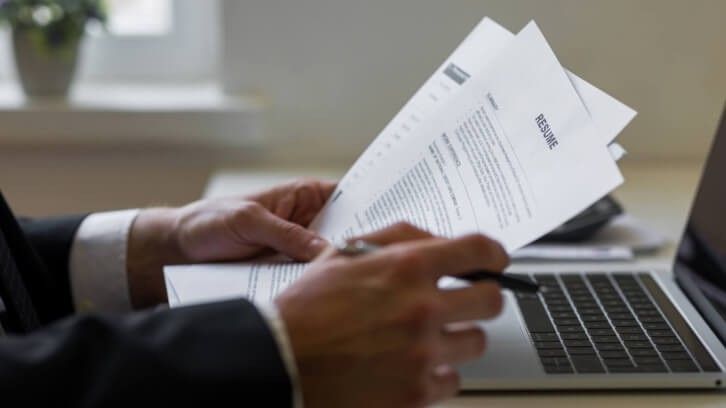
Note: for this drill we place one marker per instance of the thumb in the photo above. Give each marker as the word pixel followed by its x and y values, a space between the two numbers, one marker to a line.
pixel 287 237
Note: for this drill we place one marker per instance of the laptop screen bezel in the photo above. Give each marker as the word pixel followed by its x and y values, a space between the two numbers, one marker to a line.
pixel 683 276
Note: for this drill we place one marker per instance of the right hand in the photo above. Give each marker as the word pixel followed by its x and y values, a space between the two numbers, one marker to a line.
pixel 376 331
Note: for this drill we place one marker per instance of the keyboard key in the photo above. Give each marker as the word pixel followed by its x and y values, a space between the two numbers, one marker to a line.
pixel 605 339
pixel 594 318
pixel 682 366
pixel 670 347
pixel 620 316
pixel 625 279
pixel 640 360
pixel 578 343
pixel 618 362
pixel 597 325
pixel 617 309
pixel 570 329
pixel 561 308
pixel 666 340
pixel 605 297
pixel 552 353
pixel 555 361
pixel 645 352
pixel 630 330
pixel 638 344
pixel 613 354
pixel 574 336
pixel 589 311
pixel 601 332
pixel 661 333
pixel 642 312
pixel 543 345
pixel 656 326
pixel 625 323
pixel 633 337
pixel 652 319
pixel 522 295
pixel 609 347
pixel 535 316
pixel 567 322
pixel 676 355
pixel 545 337
pixel 578 351
pixel 563 315
pixel 587 364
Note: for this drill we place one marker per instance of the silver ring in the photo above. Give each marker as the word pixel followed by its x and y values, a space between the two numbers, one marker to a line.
pixel 356 247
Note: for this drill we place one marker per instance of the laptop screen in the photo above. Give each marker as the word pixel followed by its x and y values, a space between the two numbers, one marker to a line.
pixel 700 266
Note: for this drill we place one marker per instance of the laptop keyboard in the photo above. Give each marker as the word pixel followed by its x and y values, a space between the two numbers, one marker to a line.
pixel 602 323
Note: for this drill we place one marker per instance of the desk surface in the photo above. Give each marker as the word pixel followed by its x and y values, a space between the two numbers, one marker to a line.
pixel 657 193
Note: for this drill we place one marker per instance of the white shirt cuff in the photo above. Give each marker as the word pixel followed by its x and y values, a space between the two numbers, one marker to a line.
pixel 279 331
pixel 98 263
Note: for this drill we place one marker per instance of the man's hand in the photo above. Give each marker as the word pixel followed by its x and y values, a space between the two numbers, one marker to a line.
pixel 225 229
pixel 375 331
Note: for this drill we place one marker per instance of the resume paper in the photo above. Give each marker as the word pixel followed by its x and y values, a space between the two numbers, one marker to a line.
pixel 500 140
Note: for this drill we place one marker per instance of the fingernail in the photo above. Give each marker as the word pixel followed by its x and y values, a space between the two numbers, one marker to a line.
pixel 317 245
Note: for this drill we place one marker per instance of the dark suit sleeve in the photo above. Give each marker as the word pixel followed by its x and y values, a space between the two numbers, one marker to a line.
pixel 220 354
pixel 43 260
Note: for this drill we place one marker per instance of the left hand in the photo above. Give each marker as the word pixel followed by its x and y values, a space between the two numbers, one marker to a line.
pixel 223 229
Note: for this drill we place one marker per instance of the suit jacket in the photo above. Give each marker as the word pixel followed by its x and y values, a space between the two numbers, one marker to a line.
pixel 208 354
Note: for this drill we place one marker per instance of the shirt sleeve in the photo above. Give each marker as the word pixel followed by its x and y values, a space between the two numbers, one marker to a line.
pixel 279 331
pixel 99 282
pixel 97 263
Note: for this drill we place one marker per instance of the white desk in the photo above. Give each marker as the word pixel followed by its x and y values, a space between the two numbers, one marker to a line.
pixel 657 193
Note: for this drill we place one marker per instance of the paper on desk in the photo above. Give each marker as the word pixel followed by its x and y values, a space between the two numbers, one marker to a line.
pixel 486 165
pixel 470 58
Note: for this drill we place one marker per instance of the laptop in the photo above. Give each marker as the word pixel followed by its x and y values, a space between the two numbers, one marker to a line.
pixel 621 326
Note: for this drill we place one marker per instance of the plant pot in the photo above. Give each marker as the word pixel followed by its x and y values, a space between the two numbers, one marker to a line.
pixel 42 71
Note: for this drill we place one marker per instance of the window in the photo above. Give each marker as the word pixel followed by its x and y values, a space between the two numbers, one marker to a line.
pixel 146 40
pixel 139 17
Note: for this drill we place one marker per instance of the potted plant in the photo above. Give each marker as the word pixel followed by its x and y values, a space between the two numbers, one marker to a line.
pixel 47 35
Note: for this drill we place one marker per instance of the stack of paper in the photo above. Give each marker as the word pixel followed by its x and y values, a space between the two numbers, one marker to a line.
pixel 501 140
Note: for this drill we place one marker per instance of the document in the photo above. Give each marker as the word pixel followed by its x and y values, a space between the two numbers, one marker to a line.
pixel 472 56
pixel 493 161
pixel 187 284
pixel 499 141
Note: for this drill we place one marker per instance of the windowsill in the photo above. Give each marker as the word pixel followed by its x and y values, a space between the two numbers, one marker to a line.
pixel 123 113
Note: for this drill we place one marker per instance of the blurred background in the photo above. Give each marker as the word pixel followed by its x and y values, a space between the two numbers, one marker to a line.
pixel 163 93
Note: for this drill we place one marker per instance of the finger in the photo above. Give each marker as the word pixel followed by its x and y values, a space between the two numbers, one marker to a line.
pixel 308 202
pixel 326 188
pixel 399 232
pixel 307 198
pixel 287 237
pixel 285 206
pixel 439 257
pixel 444 384
pixel 462 344
pixel 479 301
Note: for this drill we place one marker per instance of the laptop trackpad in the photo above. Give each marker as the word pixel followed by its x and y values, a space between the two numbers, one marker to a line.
pixel 509 351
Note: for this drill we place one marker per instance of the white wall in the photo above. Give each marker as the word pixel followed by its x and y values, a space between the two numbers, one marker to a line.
pixel 337 70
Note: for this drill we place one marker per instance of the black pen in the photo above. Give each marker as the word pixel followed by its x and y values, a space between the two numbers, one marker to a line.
pixel 513 283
